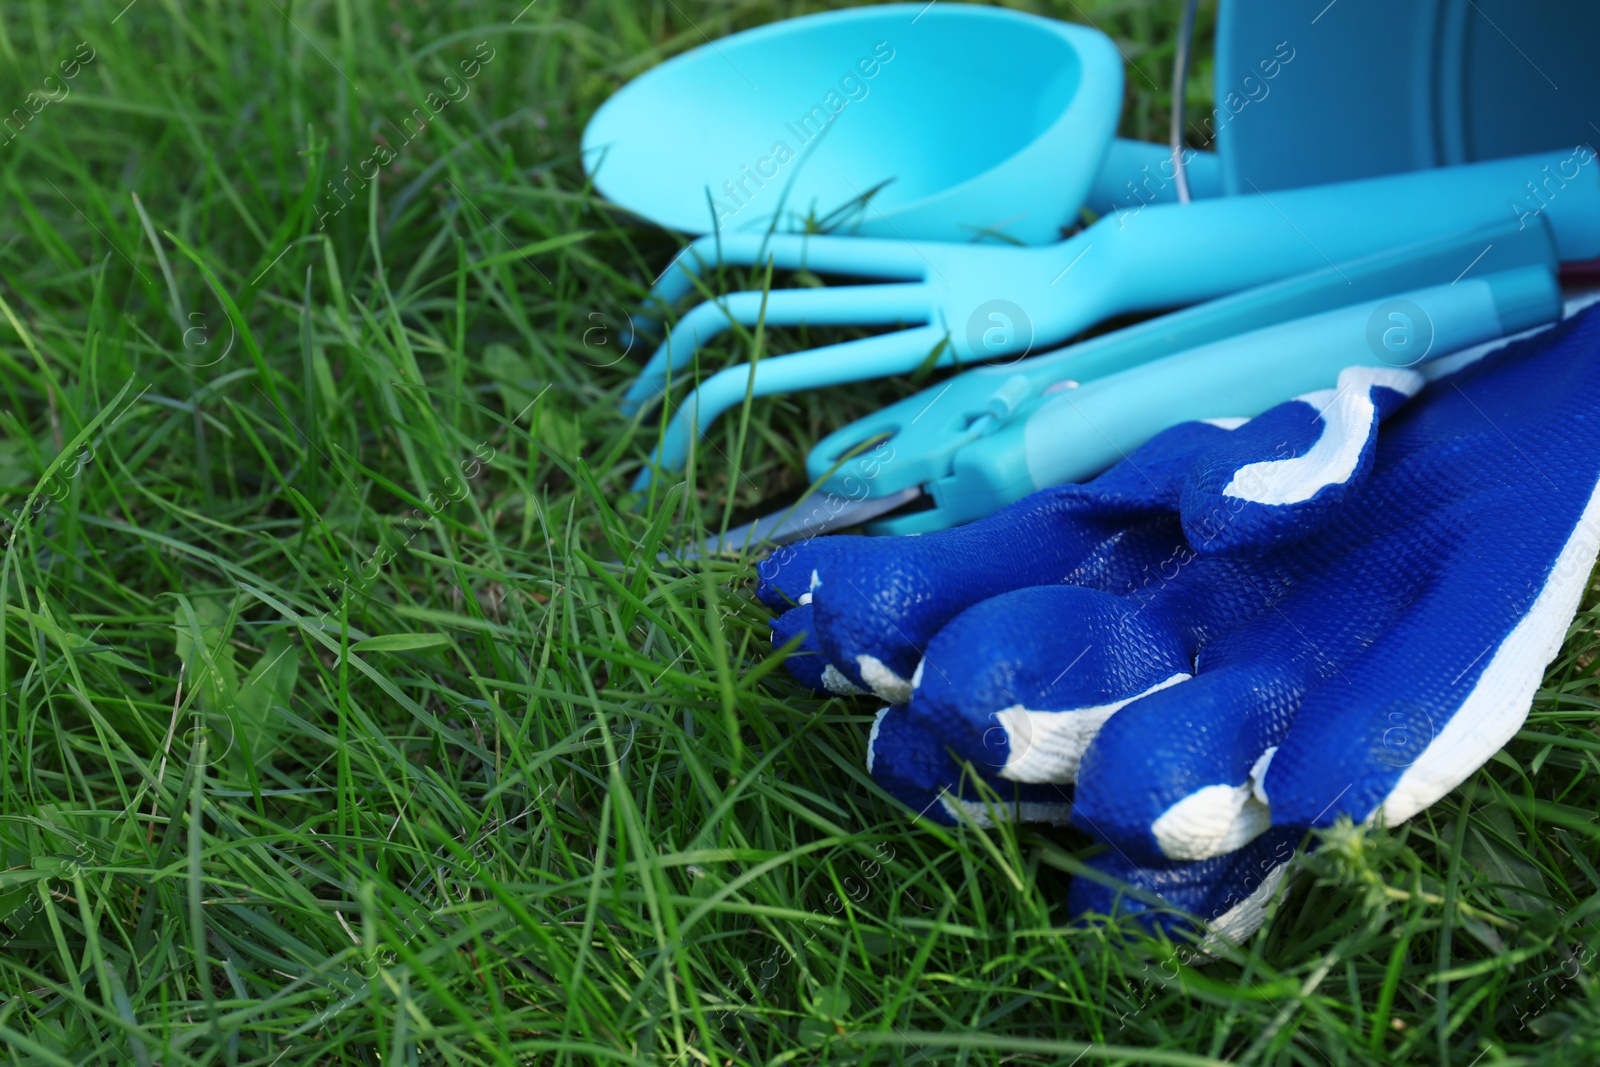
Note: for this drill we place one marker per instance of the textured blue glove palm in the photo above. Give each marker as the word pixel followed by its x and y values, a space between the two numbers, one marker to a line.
pixel 1240 632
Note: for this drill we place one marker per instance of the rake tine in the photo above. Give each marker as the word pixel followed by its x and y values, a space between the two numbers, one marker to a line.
pixel 849 305
pixel 852 361
pixel 864 257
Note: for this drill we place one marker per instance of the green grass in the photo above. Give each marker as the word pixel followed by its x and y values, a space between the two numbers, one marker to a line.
pixel 347 716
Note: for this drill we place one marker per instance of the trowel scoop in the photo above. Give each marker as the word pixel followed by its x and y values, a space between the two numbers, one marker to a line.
pixel 944 122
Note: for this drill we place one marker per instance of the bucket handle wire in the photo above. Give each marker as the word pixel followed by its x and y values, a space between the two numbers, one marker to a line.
pixel 1180 81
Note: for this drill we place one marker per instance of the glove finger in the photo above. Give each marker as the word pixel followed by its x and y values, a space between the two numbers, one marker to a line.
pixel 785 578
pixel 1230 893
pixel 879 601
pixel 1169 777
pixel 1020 683
pixel 1279 477
pixel 917 769
pixel 806 662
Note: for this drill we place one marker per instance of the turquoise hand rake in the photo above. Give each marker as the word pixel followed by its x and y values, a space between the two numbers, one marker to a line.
pixel 979 303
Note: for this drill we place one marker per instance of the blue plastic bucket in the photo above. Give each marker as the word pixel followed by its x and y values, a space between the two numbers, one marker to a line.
pixel 1312 91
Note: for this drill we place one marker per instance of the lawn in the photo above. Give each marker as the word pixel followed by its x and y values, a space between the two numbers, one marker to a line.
pixel 348 716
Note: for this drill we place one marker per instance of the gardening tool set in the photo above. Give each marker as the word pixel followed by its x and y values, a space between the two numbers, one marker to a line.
pixel 982 133
pixel 1394 192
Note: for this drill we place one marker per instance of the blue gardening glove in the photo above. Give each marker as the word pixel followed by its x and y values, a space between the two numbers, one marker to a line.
pixel 1242 631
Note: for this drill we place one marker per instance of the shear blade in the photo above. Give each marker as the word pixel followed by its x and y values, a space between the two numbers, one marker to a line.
pixel 812 515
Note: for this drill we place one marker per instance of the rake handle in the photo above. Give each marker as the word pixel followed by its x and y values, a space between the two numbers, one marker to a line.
pixel 1168 255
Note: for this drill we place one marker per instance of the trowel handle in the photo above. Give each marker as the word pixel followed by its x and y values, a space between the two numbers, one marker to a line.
pixel 1136 173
